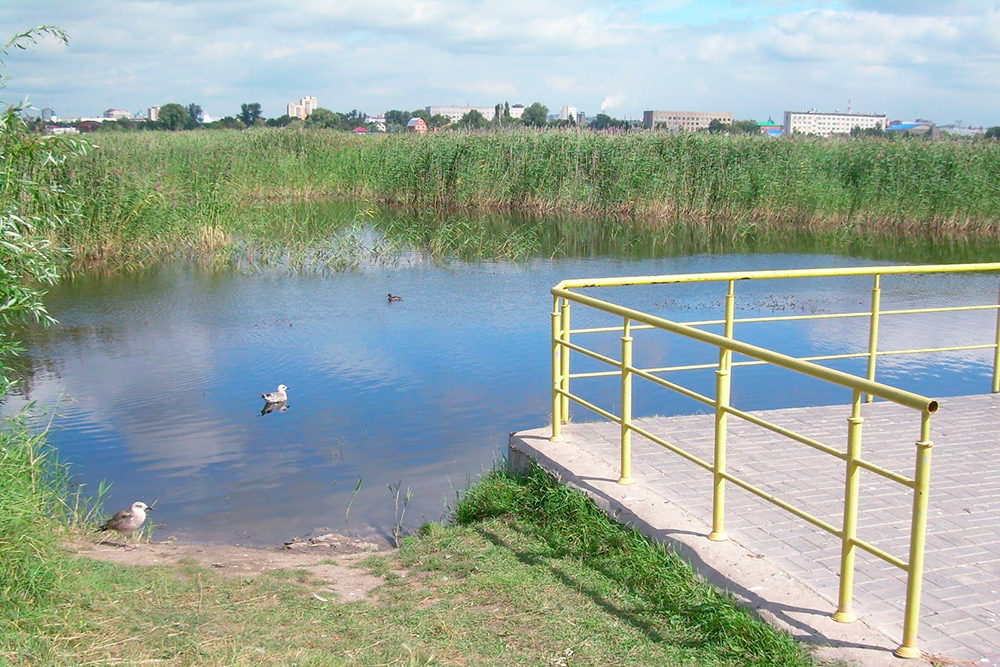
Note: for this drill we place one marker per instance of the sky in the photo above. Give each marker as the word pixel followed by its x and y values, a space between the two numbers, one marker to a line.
pixel 933 59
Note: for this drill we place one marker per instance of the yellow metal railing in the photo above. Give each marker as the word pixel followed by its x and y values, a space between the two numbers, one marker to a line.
pixel 864 389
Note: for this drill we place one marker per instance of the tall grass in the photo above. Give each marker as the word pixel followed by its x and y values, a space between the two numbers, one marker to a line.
pixel 149 195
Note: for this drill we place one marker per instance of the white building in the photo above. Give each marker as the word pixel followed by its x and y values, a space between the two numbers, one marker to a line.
pixel 568 113
pixel 153 114
pixel 116 114
pixel 455 113
pixel 829 124
pixel 689 121
pixel 303 108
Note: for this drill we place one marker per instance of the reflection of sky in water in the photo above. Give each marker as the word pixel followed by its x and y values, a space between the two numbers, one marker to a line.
pixel 156 377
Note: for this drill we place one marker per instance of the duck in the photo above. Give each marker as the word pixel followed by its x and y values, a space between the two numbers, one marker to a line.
pixel 276 396
pixel 394 297
pixel 127 521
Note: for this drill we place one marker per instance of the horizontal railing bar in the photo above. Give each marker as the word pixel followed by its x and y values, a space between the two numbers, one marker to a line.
pixel 670 385
pixel 782 318
pixel 814 520
pixel 590 353
pixel 689 367
pixel 616 329
pixel 674 448
pixel 893 394
pixel 887 557
pixel 885 472
pixel 595 374
pixel 587 404
pixel 788 433
pixel 956 348
pixel 942 309
pixel 777 274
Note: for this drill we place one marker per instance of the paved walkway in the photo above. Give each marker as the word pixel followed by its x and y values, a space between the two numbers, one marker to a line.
pixel 784 566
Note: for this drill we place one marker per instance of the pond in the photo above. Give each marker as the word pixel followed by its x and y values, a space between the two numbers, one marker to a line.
pixel 151 380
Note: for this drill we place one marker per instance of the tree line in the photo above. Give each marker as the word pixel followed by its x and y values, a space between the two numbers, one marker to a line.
pixel 175 117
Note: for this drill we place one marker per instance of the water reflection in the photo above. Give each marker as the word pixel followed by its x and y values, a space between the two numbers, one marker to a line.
pixel 277 406
pixel 424 391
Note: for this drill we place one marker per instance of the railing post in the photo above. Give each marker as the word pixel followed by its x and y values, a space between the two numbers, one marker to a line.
pixel 918 529
pixel 849 529
pixel 873 332
pixel 556 373
pixel 626 477
pixel 996 354
pixel 564 365
pixel 723 384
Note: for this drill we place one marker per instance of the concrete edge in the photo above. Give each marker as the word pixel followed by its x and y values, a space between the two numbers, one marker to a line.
pixel 777 597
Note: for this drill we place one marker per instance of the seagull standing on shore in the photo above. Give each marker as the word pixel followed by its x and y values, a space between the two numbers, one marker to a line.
pixel 127 521
pixel 276 396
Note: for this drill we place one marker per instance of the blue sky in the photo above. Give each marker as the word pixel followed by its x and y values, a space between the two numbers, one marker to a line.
pixel 753 58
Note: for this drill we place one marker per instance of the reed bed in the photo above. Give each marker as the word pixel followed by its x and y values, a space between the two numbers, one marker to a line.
pixel 151 194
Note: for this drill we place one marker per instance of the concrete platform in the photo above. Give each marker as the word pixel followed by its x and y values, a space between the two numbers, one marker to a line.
pixel 784 567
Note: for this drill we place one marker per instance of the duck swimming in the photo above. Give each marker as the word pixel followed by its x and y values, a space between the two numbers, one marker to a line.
pixel 394 297
pixel 276 396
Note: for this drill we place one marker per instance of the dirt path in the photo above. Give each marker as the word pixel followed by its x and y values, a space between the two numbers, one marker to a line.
pixel 329 558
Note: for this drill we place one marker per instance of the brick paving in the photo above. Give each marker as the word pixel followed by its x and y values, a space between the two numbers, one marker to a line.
pixel 961 591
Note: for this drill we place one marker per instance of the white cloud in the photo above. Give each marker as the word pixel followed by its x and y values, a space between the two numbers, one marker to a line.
pixel 755 62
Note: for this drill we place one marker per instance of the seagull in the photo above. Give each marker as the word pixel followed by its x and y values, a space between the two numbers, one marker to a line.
pixel 127 521
pixel 394 297
pixel 276 396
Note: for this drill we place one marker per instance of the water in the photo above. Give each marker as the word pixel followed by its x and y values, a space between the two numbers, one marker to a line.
pixel 151 380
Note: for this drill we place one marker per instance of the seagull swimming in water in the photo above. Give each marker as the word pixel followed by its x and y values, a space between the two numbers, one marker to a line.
pixel 276 396
pixel 127 521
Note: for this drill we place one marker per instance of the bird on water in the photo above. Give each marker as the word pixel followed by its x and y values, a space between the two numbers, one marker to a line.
pixel 394 297
pixel 127 521
pixel 276 396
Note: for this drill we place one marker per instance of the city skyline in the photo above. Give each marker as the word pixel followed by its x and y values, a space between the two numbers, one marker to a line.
pixel 752 58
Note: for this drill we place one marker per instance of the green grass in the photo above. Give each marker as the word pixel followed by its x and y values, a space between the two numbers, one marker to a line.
pixel 146 196
pixel 532 574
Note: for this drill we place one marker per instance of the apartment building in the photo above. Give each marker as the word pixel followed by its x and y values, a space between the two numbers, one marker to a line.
pixel 687 121
pixel 303 108
pixel 828 124
pixel 568 113
pixel 455 113
pixel 116 114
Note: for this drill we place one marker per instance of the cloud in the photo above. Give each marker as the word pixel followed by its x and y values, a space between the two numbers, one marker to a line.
pixel 753 59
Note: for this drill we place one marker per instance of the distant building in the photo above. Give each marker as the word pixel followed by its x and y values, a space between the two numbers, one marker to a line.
pixel 153 114
pixel 417 125
pixel 688 121
pixel 917 128
pixel 770 128
pixel 377 121
pixel 62 130
pixel 455 113
pixel 517 111
pixel 829 124
pixel 303 108
pixel 568 113
pixel 116 114
pixel 48 115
